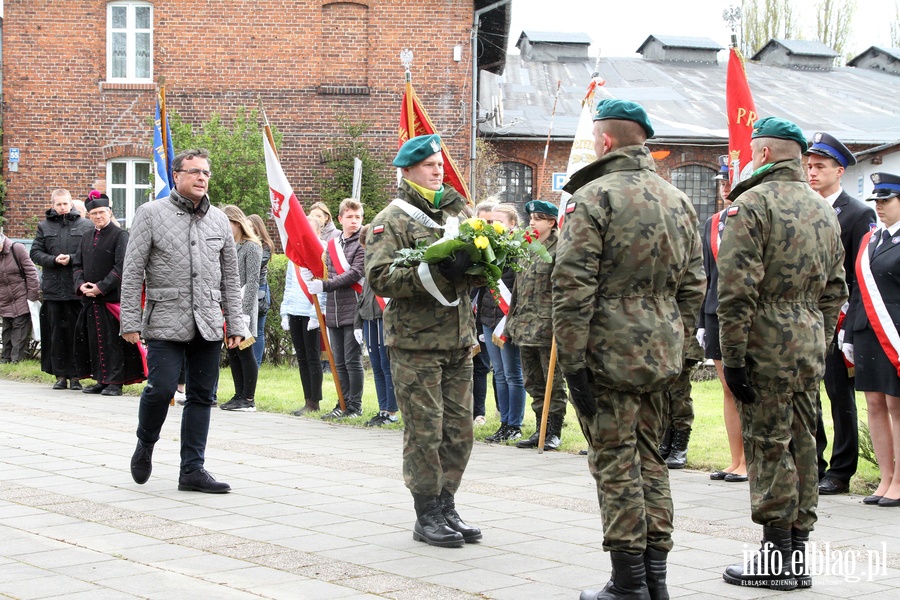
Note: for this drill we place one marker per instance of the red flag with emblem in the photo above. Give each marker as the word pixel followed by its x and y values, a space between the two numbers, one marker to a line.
pixel 741 115
pixel 412 111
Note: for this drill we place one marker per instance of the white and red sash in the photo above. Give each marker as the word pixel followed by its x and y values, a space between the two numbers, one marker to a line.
pixel 879 317
pixel 340 264
pixel 715 236
pixel 503 303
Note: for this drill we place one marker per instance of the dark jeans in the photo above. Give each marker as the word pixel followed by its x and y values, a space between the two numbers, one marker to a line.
pixel 481 366
pixel 373 331
pixel 244 372
pixel 348 363
pixel 307 346
pixel 15 337
pixel 259 346
pixel 164 362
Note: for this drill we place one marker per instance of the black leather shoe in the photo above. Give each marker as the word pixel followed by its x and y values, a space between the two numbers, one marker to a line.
pixel 142 462
pixel 75 384
pixel 885 501
pixel 201 481
pixel 718 475
pixel 831 486
pixel 735 478
pixel 112 390
pixel 870 500
pixel 94 389
pixel 61 383
pixel 454 521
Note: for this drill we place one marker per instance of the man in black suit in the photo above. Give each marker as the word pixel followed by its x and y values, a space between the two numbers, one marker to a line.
pixel 828 158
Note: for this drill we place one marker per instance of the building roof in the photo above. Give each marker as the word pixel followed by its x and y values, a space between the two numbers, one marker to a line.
pixel 892 52
pixel 674 41
pixel 493 34
pixel 800 47
pixel 686 101
pixel 554 37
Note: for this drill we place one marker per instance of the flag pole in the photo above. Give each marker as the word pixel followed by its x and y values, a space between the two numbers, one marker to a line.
pixel 540 179
pixel 315 297
pixel 161 98
pixel 410 114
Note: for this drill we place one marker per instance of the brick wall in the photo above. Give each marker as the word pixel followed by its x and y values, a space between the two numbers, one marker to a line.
pixel 300 57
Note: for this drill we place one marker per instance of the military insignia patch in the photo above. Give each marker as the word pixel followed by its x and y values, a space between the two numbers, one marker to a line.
pixel 733 210
pixel 436 146
pixel 570 208
pixel 721 225
pixel 895 239
pixel 818 137
pixel 377 229
pixel 837 210
pixel 873 226
pixel 876 178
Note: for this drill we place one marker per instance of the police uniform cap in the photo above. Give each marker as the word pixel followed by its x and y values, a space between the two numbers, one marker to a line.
pixel 417 149
pixel 96 200
pixel 776 127
pixel 829 146
pixel 887 186
pixel 541 206
pixel 623 110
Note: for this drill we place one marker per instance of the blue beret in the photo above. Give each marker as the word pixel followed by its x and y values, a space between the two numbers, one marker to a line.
pixel 887 186
pixel 776 127
pixel 541 206
pixel 831 147
pixel 623 110
pixel 417 149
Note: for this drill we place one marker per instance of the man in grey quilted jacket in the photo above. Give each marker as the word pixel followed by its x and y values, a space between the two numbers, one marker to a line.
pixel 182 252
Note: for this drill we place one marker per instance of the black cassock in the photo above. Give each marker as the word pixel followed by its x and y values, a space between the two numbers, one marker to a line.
pixel 100 351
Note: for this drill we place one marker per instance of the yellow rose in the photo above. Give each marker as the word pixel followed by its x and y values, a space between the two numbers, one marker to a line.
pixel 498 227
pixel 478 224
pixel 482 242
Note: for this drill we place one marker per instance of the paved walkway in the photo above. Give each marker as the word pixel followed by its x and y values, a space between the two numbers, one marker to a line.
pixel 319 511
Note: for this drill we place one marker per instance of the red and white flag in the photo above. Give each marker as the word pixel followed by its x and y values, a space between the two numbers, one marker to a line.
pixel 582 153
pixel 741 113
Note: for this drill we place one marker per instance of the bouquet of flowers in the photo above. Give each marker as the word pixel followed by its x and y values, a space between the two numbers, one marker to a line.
pixel 491 247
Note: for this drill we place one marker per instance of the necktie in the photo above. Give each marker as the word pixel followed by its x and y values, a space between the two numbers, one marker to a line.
pixel 885 242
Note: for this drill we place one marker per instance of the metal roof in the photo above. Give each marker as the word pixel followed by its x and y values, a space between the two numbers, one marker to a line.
pixel 554 37
pixel 892 52
pixel 674 41
pixel 686 101
pixel 801 47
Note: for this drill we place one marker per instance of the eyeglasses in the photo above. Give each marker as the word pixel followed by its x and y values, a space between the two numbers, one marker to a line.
pixel 195 172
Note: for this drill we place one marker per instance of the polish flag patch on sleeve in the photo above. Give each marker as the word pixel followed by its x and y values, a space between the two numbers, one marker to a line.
pixel 733 210
pixel 377 229
pixel 570 208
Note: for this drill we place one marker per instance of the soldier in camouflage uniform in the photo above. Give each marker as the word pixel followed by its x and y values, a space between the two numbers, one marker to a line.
pixel 781 285
pixel 674 446
pixel 531 328
pixel 429 329
pixel 627 286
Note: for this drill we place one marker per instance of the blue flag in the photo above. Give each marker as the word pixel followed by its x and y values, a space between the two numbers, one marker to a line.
pixel 162 174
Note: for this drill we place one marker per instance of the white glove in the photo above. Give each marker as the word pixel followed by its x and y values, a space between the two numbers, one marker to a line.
pixel 285 323
pixel 701 337
pixel 305 274
pixel 315 286
pixel 481 337
pixel 246 319
pixel 313 324
pixel 358 334
pixel 847 349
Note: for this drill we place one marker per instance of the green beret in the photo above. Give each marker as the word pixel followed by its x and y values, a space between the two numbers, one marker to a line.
pixel 417 149
pixel 625 111
pixel 776 127
pixel 541 206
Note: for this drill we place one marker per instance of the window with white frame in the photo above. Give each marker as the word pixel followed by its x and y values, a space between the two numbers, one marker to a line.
pixel 128 186
pixel 129 42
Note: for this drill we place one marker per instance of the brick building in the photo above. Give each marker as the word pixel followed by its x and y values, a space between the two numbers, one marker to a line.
pixel 79 82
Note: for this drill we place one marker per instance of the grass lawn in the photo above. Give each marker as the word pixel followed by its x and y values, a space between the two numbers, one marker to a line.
pixel 279 391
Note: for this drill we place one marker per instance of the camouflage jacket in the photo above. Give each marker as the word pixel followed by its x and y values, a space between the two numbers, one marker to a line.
pixel 781 279
pixel 628 280
pixel 413 319
pixel 529 322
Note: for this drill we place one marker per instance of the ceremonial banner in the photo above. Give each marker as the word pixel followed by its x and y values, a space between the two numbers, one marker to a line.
pixel 163 154
pixel 582 153
pixel 741 113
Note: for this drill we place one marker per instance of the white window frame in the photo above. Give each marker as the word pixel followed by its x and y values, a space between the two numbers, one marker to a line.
pixel 130 186
pixel 130 44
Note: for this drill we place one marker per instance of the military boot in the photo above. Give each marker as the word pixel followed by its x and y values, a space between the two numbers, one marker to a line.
pixel 677 457
pixel 770 566
pixel 799 541
pixel 665 444
pixel 431 526
pixel 448 509
pixel 655 564
pixel 627 582
pixel 310 406
pixel 499 435
pixel 532 442
pixel 554 432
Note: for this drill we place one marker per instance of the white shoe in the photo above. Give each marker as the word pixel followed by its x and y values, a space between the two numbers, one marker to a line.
pixel 180 398
pixel 480 420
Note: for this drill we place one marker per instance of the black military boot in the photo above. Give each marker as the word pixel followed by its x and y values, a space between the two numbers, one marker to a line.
pixel 532 442
pixel 554 432
pixel 799 541
pixel 665 444
pixel 770 566
pixel 431 526
pixel 448 509
pixel 655 564
pixel 627 582
pixel 677 457
pixel 499 435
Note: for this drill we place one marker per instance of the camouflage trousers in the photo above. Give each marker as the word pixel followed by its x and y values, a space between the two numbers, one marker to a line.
pixel 632 478
pixel 779 431
pixel 434 392
pixel 535 366
pixel 680 405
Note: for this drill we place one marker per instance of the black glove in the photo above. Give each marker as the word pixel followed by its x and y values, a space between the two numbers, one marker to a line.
pixel 580 390
pixel 454 267
pixel 738 380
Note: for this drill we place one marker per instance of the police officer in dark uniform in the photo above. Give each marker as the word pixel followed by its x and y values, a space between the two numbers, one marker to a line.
pixel 828 158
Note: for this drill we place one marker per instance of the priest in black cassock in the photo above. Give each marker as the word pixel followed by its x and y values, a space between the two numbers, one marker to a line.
pixel 100 352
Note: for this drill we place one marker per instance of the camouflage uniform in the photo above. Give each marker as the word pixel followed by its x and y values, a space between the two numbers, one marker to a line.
pixel 781 285
pixel 627 287
pixel 681 407
pixel 529 327
pixel 429 346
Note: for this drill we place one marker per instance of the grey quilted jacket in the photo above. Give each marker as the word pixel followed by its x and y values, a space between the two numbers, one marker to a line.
pixel 187 260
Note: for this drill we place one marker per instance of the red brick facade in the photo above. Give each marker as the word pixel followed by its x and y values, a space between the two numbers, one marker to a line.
pixel 310 61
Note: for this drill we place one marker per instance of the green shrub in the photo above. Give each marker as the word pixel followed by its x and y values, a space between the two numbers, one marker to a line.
pixel 279 348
